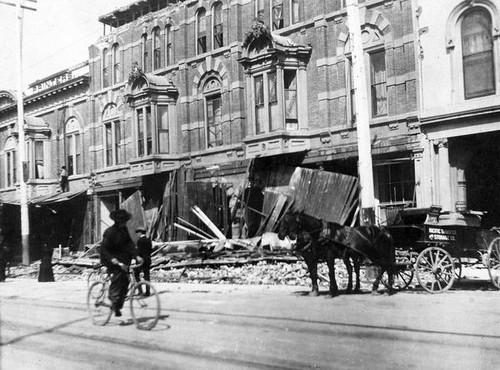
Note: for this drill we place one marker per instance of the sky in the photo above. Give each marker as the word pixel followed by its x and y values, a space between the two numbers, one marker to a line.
pixel 55 37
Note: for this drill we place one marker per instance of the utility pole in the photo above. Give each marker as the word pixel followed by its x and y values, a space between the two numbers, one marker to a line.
pixel 25 227
pixel 362 115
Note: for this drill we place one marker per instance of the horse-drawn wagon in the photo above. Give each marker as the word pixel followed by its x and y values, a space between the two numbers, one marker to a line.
pixel 435 245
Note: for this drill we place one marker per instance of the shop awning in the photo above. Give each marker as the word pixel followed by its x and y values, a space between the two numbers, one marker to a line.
pixel 57 197
pixel 14 198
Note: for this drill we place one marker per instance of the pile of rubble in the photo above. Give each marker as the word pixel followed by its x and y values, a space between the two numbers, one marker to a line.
pixel 260 273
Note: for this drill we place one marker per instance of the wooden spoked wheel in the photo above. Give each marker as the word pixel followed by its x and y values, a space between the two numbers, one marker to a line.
pixel 493 262
pixel 402 278
pixel 435 270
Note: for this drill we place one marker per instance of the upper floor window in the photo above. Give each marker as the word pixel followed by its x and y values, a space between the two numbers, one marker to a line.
pixel 157 62
pixel 163 129
pixel 114 138
pixel 290 89
pixel 295 11
pixel 201 32
pixel 145 54
pixel 212 92
pixel 105 68
pixel 276 110
pixel 10 162
pixel 39 170
pixel 168 45
pixel 144 131
pixel 117 72
pixel 477 54
pixel 218 35
pixel 73 147
pixel 277 14
pixel 378 83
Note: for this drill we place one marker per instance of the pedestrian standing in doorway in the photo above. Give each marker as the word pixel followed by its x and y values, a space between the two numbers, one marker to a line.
pixel 63 179
pixel 45 273
pixel 144 248
pixel 4 257
pixel 117 251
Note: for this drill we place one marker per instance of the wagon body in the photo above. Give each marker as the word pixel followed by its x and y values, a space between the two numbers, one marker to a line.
pixel 437 245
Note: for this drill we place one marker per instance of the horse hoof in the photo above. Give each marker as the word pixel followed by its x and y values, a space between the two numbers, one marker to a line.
pixel 314 293
pixel 376 292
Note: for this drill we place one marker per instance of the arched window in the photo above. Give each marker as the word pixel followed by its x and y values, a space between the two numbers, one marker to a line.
pixel 213 101
pixel 157 64
pixel 169 57
pixel 218 35
pixel 114 142
pixel 105 68
pixel 73 147
pixel 201 32
pixel 145 54
pixel 117 73
pixel 10 162
pixel 477 54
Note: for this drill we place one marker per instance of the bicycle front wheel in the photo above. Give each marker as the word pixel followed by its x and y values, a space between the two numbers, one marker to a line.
pixel 144 305
pixel 98 303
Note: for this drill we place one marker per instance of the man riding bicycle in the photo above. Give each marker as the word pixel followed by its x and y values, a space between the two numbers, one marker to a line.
pixel 117 251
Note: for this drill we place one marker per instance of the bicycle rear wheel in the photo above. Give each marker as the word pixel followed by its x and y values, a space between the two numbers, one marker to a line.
pixel 145 308
pixel 98 303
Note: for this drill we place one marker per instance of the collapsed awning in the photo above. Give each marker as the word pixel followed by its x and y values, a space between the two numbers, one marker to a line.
pixel 14 197
pixel 58 197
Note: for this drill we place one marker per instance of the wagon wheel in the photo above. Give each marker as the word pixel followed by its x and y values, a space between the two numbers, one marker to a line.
pixel 403 271
pixel 493 262
pixel 402 278
pixel 435 270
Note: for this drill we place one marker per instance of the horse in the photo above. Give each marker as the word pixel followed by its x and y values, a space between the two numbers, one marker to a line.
pixel 374 243
pixel 313 247
pixel 356 243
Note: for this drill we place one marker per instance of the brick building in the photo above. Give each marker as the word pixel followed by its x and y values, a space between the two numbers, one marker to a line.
pixel 201 94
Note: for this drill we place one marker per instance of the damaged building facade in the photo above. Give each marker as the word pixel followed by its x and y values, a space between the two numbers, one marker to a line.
pixel 208 103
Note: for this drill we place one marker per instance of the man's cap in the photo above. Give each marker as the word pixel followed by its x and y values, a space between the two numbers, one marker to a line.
pixel 140 230
pixel 120 215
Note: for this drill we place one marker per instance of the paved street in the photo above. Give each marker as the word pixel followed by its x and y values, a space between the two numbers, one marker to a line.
pixel 45 326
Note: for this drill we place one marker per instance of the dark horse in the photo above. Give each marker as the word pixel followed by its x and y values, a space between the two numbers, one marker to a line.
pixel 317 241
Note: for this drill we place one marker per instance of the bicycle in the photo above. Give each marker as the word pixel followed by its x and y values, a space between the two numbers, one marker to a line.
pixel 144 309
pixel 99 273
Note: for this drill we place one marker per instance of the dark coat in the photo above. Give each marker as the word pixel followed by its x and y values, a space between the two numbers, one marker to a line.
pixel 117 243
pixel 144 248
pixel 46 274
